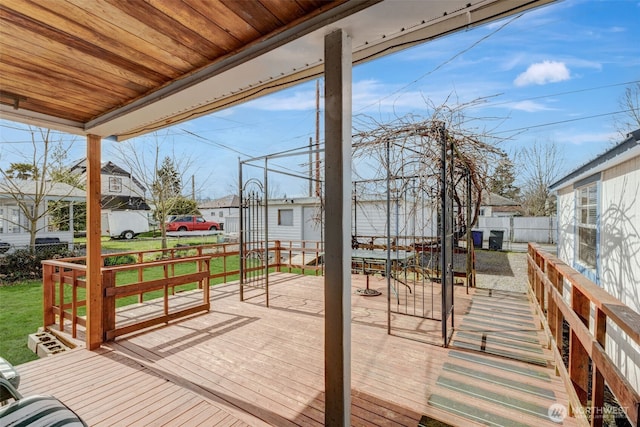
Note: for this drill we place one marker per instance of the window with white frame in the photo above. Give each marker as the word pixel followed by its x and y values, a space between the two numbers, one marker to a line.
pixel 115 184
pixel 285 217
pixel 15 221
pixel 587 211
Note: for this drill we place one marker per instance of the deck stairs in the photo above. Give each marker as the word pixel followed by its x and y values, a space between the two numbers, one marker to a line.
pixel 500 370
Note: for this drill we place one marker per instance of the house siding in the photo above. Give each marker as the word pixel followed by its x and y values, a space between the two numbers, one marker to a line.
pixel 619 260
pixel 617 253
pixel 620 233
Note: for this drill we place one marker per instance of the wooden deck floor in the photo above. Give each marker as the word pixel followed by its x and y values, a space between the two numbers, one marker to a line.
pixel 245 364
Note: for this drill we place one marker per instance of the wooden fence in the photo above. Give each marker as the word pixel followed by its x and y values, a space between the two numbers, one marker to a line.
pixel 585 310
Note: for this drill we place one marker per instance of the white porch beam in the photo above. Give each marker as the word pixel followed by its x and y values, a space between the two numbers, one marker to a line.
pixel 337 282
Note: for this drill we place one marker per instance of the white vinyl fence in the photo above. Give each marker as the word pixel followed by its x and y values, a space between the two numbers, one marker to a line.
pixel 540 229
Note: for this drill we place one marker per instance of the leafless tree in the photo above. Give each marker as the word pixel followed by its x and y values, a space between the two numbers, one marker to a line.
pixel 540 165
pixel 145 162
pixel 36 182
pixel 415 152
pixel 629 102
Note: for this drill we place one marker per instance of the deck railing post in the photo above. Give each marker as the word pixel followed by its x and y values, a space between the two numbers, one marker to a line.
pixel 559 326
pixel 597 380
pixel 278 255
pixel 552 308
pixel 48 297
pixel 74 303
pixel 140 276
pixel 205 282
pixel 109 303
pixel 61 298
pixel 578 356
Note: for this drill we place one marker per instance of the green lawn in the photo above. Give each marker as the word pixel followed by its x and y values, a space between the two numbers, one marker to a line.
pixel 21 303
pixel 20 315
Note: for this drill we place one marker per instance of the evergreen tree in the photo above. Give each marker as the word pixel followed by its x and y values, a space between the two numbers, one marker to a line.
pixel 503 178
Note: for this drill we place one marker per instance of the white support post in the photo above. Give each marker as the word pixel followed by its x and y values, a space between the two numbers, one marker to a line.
pixel 337 284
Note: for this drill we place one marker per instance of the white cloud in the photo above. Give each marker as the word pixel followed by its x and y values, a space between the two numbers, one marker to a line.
pixel 529 106
pixel 542 73
pixel 602 138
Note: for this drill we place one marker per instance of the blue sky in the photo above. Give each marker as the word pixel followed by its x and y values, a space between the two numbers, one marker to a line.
pixel 552 75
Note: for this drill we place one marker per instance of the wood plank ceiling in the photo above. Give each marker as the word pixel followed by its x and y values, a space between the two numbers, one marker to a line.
pixel 125 67
pixel 78 59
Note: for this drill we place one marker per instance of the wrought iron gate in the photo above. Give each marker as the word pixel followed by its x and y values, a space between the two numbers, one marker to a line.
pixel 254 252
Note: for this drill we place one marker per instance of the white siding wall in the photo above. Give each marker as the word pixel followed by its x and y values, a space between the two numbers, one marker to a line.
pixel 619 252
pixel 406 219
pixel 213 214
pixel 566 225
pixel 620 232
pixel 285 232
pixel 20 239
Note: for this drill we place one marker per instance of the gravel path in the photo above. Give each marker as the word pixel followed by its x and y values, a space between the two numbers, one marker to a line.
pixel 499 270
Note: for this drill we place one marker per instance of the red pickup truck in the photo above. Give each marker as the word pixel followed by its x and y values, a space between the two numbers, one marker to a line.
pixel 191 223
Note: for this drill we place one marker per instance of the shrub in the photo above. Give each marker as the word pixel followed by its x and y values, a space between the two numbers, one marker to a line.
pixel 22 264
pixel 119 260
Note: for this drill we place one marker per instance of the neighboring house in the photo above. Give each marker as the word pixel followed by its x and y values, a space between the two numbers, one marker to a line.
pixel 302 218
pixel 14 225
pixel 599 231
pixel 295 219
pixel 219 209
pixel 120 190
pixel 495 205
pixel 125 212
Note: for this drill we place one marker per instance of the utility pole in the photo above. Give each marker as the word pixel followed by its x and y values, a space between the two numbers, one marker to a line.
pixel 311 166
pixel 193 187
pixel 318 138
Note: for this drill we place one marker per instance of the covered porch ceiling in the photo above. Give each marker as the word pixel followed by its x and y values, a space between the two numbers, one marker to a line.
pixel 118 68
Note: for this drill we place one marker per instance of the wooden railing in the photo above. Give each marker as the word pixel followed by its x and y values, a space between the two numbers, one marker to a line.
pixel 64 280
pixel 585 309
pixel 166 283
pixel 305 256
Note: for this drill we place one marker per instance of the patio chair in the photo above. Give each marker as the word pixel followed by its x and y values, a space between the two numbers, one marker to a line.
pixel 9 373
pixel 36 411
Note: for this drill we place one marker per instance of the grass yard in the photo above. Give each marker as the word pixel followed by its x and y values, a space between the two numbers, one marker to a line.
pixel 21 303
pixel 20 315
pixel 143 243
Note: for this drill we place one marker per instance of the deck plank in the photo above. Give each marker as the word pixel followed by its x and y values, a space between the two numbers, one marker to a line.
pixel 244 364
